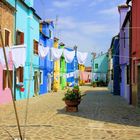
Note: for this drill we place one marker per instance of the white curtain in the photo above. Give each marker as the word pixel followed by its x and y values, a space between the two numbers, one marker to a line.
pixel 2 60
pixel 19 55
pixel 43 51
pixel 56 53
pixel 69 55
pixel 81 57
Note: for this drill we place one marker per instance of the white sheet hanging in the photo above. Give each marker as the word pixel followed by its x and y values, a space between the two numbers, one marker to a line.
pixel 2 60
pixel 43 51
pixel 56 53
pixel 81 57
pixel 69 55
pixel 19 55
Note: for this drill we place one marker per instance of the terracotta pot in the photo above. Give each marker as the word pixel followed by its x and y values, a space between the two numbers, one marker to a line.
pixel 72 106
pixel 75 90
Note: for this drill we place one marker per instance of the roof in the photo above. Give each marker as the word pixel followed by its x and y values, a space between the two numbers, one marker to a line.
pixel 128 1
pixel 62 44
pixel 124 6
pixel 56 39
pixel 34 12
pixel 113 40
pixel 9 5
pixel 127 18
pixel 88 69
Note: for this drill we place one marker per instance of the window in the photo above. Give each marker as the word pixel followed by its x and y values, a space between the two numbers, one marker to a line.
pixel 96 66
pixel 41 77
pixel 19 75
pixel 35 47
pixel 7 38
pixel 5 79
pixel 19 38
pixel 128 74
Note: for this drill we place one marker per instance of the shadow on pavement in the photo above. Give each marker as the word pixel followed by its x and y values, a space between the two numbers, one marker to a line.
pixel 102 106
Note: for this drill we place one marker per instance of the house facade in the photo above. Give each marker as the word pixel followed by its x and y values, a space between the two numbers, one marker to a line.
pixel 124 52
pixel 28 34
pixel 45 64
pixel 135 52
pixel 7 21
pixel 100 68
pixel 56 84
pixel 116 66
pixel 63 69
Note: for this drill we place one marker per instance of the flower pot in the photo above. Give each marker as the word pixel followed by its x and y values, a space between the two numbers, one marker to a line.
pixel 75 90
pixel 72 105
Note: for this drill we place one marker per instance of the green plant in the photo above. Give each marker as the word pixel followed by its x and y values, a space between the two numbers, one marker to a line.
pixel 73 94
pixel 94 84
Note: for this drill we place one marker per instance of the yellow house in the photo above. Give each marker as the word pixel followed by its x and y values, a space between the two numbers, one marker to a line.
pixel 81 68
pixel 56 84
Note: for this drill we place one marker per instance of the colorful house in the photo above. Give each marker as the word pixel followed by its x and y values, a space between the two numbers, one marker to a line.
pixel 56 84
pixel 116 66
pixel 100 68
pixel 135 51
pixel 27 33
pixel 70 69
pixel 124 52
pixel 7 12
pixel 81 69
pixel 45 64
pixel 63 69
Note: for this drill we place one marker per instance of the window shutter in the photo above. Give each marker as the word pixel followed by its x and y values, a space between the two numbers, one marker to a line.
pixel 21 74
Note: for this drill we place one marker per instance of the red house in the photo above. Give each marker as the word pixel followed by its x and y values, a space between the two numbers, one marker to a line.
pixel 135 51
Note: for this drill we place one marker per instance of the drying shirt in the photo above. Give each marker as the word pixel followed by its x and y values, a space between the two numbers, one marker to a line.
pixel 43 51
pixel 2 60
pixel 69 55
pixel 56 53
pixel 81 57
pixel 19 55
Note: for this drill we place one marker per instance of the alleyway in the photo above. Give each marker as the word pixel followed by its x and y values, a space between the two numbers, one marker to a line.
pixel 101 116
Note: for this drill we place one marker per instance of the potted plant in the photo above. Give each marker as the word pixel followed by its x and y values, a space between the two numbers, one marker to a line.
pixel 94 84
pixel 72 99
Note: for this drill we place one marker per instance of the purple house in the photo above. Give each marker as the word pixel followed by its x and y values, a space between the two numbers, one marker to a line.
pixel 124 58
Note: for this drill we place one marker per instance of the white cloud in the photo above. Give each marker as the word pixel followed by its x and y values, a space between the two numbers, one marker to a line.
pixel 95 2
pixel 111 11
pixel 61 4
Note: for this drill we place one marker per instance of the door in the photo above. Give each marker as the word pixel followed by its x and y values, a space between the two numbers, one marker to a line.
pixel 36 83
pixel 138 93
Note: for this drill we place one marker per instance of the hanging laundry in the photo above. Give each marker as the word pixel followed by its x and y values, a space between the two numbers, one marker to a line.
pixel 76 74
pixel 56 53
pixel 85 76
pixel 69 55
pixel 2 60
pixel 19 55
pixel 81 57
pixel 43 51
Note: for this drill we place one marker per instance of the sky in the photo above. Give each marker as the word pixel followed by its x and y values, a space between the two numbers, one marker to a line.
pixel 88 24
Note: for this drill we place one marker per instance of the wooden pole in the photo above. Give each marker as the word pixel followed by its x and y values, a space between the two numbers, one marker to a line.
pixel 10 84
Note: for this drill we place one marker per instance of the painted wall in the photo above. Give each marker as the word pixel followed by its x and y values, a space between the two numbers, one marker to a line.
pixel 46 65
pixel 63 70
pixel 56 83
pixel 70 68
pixel 100 72
pixel 135 51
pixel 124 55
pixel 31 33
pixel 116 67
pixel 7 22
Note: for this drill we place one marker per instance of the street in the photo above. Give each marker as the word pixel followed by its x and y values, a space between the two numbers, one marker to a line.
pixel 101 116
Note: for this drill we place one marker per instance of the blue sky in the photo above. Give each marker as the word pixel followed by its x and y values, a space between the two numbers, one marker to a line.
pixel 89 24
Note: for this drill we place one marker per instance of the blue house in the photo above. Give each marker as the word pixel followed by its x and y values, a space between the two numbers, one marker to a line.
pixel 46 65
pixel 100 68
pixel 70 69
pixel 116 66
pixel 27 32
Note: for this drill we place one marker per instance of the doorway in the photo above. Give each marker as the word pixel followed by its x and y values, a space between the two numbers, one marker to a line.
pixel 36 83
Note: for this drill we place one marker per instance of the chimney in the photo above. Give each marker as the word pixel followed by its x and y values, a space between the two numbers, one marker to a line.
pixel 123 9
pixel 94 55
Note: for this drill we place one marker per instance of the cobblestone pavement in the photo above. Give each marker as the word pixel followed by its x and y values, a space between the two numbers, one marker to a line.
pixel 101 116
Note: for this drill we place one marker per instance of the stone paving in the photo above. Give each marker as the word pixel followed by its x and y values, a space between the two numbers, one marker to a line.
pixel 101 116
